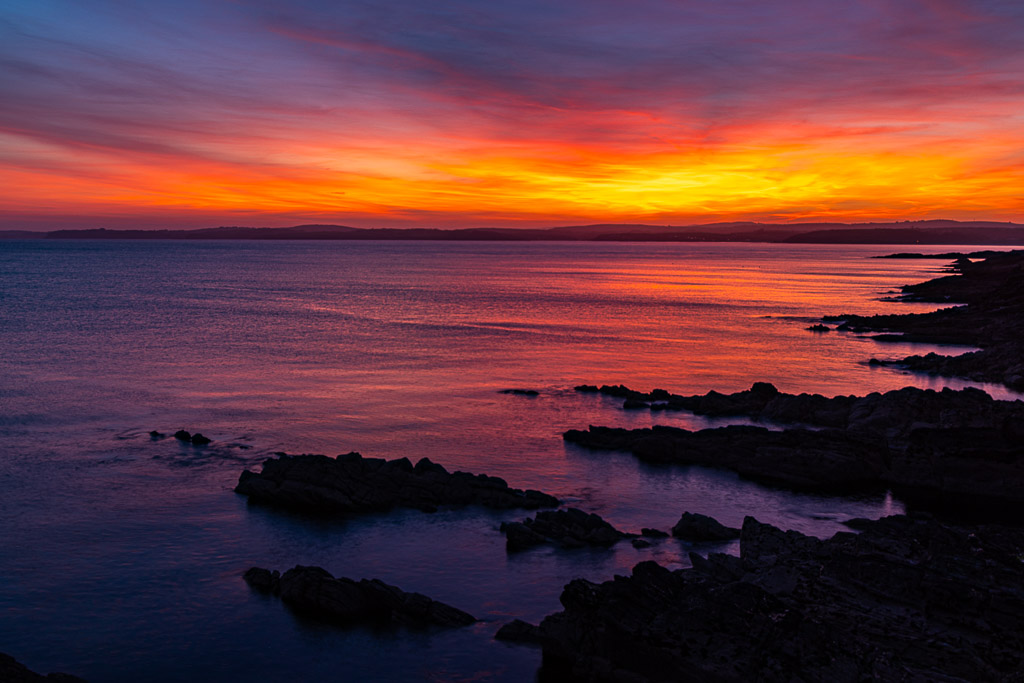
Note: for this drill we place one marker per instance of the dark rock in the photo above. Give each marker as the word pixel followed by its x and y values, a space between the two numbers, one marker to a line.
pixel 904 600
pixel 200 440
pixel 960 443
pixel 587 388
pixel 653 533
pixel 13 671
pixel 518 631
pixel 992 319
pixel 313 590
pixel 640 543
pixel 520 392
pixel 819 328
pixel 352 483
pixel 696 527
pixel 182 435
pixel 519 536
pixel 633 404
pixel 568 528
pixel 155 435
pixel 799 458
pixel 263 580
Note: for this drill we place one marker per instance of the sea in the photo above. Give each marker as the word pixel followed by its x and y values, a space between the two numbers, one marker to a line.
pixel 122 556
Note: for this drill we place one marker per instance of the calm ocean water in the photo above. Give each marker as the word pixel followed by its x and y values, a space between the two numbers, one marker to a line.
pixel 122 557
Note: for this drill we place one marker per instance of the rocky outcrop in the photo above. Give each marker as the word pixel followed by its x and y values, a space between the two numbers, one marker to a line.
pixel 568 528
pixel 798 458
pixel 992 319
pixel 196 439
pixel 352 483
pixel 907 599
pixel 696 527
pixel 13 671
pixel 518 631
pixel 898 410
pixel 958 443
pixel 312 590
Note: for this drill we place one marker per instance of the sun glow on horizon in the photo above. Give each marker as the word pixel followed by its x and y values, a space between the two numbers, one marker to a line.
pixel 509 118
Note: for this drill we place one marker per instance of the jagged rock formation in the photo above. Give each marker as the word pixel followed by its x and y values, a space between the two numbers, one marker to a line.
pixel 958 443
pixel 907 599
pixel 696 527
pixel 352 483
pixel 569 528
pixel 992 319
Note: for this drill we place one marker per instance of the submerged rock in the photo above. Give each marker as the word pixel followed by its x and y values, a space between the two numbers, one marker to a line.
pixel 313 590
pixel 568 528
pixel 696 527
pixel 907 599
pixel 520 392
pixel 352 483
pixel 196 439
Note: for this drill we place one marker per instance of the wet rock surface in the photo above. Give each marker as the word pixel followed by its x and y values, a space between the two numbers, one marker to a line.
pixel 314 591
pixel 696 527
pixel 352 483
pixel 907 599
pixel 568 528
pixel 958 443
pixel 13 671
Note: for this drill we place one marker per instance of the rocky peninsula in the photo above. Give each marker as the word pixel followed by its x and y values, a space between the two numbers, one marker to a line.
pixel 314 591
pixel 909 598
pixel 351 483
pixel 956 444
pixel 991 317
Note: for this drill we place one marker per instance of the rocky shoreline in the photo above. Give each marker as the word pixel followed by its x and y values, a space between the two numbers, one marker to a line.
pixel 907 599
pixel 991 318
pixel 351 483
pixel 947 443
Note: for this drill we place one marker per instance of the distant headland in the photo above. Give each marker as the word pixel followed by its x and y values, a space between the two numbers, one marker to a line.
pixel 904 232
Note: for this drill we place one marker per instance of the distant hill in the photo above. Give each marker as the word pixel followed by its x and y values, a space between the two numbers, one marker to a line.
pixel 940 235
pixel 917 232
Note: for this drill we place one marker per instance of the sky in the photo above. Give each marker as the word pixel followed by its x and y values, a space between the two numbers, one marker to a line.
pixel 458 113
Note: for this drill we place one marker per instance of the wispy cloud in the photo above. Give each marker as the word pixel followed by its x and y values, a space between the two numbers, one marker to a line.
pixel 456 111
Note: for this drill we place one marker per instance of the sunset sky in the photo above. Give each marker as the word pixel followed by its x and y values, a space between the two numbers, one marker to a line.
pixel 452 113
